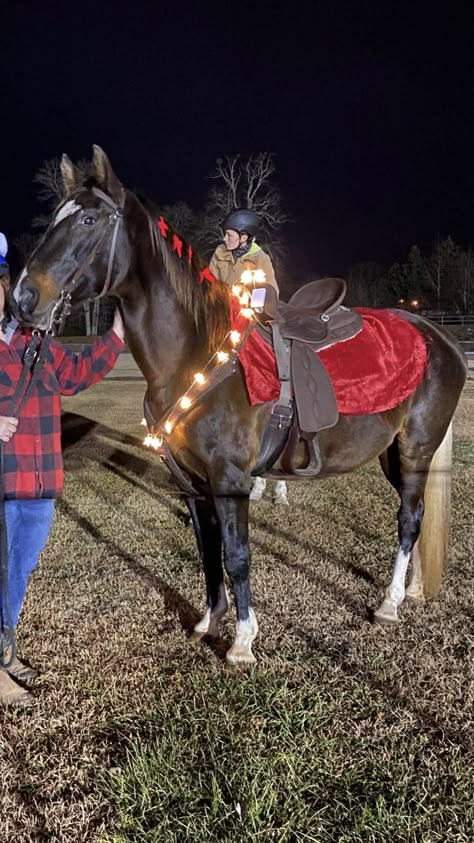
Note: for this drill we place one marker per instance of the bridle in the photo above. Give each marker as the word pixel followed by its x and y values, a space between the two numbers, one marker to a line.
pixel 62 308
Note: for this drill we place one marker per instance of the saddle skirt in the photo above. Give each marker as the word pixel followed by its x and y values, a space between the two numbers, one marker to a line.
pixel 372 372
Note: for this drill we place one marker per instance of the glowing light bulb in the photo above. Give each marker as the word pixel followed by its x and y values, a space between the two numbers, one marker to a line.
pixel 244 298
pixel 168 426
pixel 143 422
pixel 236 290
pixel 234 337
pixel 185 402
pixel 247 313
pixel 154 441
pixel 222 356
pixel 259 276
pixel 199 378
pixel 246 276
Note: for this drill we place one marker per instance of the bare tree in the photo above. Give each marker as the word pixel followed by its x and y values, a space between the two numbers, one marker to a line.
pixel 50 179
pixel 245 183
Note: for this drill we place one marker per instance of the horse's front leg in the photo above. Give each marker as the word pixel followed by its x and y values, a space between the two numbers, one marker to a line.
pixel 209 540
pixel 233 515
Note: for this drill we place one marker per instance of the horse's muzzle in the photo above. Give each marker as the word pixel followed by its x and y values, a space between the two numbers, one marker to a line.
pixel 26 298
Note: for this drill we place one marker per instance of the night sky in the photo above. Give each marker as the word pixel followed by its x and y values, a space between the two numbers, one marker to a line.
pixel 367 106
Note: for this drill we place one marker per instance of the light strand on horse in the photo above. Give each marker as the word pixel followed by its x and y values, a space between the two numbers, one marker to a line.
pixel 240 291
pixel 237 338
pixel 186 401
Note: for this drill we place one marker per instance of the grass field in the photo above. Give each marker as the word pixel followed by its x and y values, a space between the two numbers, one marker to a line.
pixel 343 732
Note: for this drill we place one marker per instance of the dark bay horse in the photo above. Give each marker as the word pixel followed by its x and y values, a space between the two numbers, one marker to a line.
pixel 173 324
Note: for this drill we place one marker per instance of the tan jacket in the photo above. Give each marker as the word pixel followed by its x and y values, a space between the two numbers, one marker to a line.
pixel 226 269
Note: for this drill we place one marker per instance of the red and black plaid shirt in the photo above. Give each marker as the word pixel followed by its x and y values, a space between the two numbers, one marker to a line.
pixel 33 460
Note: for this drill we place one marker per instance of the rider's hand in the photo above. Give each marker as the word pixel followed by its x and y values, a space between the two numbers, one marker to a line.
pixel 118 325
pixel 8 426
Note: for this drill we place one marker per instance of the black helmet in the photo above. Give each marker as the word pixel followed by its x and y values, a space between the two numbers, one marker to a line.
pixel 242 220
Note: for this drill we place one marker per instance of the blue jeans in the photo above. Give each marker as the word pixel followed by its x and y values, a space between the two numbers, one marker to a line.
pixel 28 525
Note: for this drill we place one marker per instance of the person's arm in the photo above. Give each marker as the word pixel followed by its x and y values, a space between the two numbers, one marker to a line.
pixel 76 371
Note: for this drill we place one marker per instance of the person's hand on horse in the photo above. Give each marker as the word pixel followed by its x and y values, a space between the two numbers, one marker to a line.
pixel 8 426
pixel 118 325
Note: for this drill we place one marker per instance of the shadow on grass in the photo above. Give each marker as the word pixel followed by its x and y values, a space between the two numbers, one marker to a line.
pixel 174 601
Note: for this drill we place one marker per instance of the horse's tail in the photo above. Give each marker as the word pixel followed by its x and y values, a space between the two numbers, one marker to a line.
pixel 434 534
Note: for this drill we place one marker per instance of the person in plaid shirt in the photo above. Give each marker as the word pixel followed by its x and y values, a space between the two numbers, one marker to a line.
pixel 33 465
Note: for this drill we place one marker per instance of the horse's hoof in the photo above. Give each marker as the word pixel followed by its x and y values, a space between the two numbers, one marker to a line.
pixel 385 620
pixel 246 633
pixel 199 632
pixel 416 598
pixel 240 656
pixel 386 614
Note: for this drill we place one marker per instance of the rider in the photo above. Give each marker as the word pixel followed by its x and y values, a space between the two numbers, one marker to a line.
pixel 239 252
pixel 32 462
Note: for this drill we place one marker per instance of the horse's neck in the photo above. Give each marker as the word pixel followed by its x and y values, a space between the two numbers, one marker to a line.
pixel 163 341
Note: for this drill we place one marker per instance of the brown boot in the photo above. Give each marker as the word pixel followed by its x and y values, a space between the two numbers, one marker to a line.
pixel 11 693
pixel 17 669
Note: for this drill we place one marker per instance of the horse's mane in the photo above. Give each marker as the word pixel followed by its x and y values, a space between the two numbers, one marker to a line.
pixel 207 304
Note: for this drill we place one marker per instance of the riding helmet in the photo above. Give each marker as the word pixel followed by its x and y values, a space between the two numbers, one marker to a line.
pixel 242 220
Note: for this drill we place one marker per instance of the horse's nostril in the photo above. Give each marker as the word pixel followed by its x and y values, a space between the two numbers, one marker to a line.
pixel 29 299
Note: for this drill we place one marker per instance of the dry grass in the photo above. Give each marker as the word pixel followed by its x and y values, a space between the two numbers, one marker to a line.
pixel 344 732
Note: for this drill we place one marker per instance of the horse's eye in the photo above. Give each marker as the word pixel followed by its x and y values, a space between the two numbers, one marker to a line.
pixel 89 220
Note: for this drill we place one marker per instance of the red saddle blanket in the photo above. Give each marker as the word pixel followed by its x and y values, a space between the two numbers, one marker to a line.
pixel 374 371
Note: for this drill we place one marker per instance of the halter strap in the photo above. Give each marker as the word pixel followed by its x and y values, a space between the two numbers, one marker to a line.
pixel 62 308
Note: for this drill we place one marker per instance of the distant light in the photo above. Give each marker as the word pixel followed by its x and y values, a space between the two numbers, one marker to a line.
pixel 401 301
pixel 415 303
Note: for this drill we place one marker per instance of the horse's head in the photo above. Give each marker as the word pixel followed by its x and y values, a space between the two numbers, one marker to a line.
pixel 85 252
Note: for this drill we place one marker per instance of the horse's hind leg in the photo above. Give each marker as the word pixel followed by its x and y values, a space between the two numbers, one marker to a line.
pixel 209 539
pixel 408 475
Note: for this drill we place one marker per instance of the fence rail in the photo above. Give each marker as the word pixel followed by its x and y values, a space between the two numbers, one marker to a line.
pixel 449 318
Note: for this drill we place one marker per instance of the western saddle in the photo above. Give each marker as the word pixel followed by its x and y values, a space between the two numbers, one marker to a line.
pixel 313 319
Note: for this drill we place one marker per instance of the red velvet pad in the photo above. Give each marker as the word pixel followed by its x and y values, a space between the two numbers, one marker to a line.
pixel 372 372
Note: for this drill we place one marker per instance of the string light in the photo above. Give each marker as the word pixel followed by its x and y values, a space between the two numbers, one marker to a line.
pixel 143 422
pixel 152 441
pixel 253 276
pixel 199 379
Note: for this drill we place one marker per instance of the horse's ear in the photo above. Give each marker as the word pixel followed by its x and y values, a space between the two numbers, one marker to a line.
pixel 71 174
pixel 104 173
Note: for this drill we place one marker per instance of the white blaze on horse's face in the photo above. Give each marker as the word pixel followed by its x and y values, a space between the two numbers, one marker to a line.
pixel 16 289
pixel 67 210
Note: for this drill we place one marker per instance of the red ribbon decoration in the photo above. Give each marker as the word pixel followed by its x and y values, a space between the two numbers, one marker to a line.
pixel 177 245
pixel 206 275
pixel 190 255
pixel 163 226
